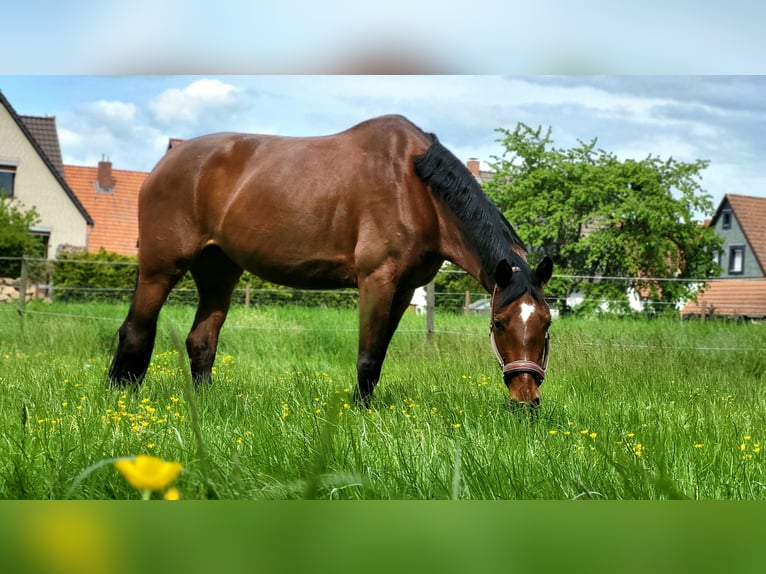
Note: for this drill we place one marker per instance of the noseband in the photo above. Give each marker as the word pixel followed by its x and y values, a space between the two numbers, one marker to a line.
pixel 522 366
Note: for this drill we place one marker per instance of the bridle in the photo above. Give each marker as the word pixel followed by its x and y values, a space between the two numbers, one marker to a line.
pixel 521 366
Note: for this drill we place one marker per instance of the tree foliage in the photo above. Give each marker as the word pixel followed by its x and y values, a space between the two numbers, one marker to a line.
pixel 15 236
pixel 599 217
pixel 450 285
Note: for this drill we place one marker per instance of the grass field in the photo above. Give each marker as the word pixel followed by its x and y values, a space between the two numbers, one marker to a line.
pixel 632 409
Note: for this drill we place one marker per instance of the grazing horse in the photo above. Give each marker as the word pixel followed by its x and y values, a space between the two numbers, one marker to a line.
pixel 379 207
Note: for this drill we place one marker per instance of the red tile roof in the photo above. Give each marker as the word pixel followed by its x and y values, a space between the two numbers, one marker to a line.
pixel 751 215
pixel 114 212
pixel 730 297
pixel 173 142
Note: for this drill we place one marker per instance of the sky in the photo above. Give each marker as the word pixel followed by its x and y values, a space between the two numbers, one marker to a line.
pixel 129 119
pixel 682 79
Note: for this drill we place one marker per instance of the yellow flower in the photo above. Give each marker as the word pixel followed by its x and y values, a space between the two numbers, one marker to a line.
pixel 456 426
pixel 593 435
pixel 552 431
pixel 146 472
pixel 699 445
pixel 172 494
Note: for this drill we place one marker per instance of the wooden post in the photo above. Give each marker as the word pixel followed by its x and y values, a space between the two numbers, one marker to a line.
pixel 247 295
pixel 704 310
pixel 430 309
pixel 23 286
pixel 467 304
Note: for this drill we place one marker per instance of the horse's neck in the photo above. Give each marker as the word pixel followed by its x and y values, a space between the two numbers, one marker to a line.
pixel 460 250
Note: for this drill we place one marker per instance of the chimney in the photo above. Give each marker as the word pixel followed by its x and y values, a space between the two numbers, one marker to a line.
pixel 105 180
pixel 473 166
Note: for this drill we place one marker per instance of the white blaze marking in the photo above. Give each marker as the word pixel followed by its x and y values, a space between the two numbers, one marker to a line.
pixel 526 312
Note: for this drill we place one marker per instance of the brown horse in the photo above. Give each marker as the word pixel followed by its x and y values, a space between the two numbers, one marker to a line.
pixel 379 206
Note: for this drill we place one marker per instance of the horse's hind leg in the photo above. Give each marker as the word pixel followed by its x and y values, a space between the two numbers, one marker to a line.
pixel 216 276
pixel 137 333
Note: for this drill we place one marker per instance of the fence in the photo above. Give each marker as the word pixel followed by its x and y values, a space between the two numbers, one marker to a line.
pixel 113 281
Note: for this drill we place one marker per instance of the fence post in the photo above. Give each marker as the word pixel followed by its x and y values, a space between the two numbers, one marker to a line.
pixel 467 304
pixel 430 309
pixel 23 285
pixel 247 295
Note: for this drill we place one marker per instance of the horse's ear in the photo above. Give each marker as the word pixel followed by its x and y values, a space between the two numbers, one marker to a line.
pixel 542 273
pixel 503 274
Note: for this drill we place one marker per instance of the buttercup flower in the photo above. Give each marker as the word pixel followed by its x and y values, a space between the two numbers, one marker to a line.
pixel 172 494
pixel 146 472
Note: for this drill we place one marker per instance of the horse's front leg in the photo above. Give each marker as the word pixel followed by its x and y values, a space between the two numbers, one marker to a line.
pixel 380 309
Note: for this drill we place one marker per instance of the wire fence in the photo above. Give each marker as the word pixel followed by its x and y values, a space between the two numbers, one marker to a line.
pixel 84 280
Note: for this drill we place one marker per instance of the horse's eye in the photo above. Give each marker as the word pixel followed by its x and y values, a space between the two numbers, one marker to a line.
pixel 498 324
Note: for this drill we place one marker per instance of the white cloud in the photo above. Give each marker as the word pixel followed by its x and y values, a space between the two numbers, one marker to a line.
pixel 189 105
pixel 69 138
pixel 113 110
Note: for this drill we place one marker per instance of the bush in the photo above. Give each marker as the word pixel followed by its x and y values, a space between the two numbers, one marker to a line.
pixel 450 285
pixel 15 238
pixel 105 276
pixel 102 276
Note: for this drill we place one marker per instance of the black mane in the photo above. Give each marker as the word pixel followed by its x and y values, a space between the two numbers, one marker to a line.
pixel 480 220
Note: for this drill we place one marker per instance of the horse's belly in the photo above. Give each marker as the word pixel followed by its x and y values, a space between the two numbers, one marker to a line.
pixel 293 261
pixel 306 274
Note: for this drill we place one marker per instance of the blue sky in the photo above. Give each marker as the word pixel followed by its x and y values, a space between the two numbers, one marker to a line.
pixel 652 77
pixel 481 36
pixel 129 119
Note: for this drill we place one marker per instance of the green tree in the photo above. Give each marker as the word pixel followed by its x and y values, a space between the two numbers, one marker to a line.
pixel 15 237
pixel 598 217
pixel 450 285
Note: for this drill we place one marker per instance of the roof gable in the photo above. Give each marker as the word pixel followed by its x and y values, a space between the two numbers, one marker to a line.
pixel 750 213
pixel 43 129
pixel 59 175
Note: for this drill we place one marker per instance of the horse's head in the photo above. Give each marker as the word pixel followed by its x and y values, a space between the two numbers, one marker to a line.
pixel 519 328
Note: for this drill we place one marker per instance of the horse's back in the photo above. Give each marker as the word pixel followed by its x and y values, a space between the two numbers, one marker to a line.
pixel 228 156
pixel 297 210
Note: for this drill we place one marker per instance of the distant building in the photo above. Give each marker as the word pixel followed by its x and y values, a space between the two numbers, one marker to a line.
pixel 741 290
pixel 111 197
pixel 31 173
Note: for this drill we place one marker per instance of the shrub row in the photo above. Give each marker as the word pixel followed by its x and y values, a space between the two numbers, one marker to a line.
pixel 105 276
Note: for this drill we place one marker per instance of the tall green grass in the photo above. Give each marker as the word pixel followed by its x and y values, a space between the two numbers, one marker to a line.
pixel 632 409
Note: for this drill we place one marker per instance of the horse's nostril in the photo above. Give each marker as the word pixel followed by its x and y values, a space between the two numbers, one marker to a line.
pixel 534 403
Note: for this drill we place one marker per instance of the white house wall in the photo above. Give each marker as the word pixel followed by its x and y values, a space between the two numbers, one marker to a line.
pixel 36 186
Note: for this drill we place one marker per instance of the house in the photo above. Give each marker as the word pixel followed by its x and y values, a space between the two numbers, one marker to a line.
pixel 741 290
pixel 32 174
pixel 111 197
pixel 475 167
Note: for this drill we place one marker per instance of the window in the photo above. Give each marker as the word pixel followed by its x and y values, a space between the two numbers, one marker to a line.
pixel 736 259
pixel 7 177
pixel 43 236
pixel 726 220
